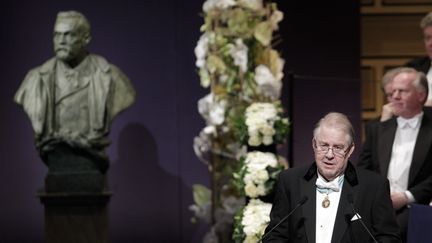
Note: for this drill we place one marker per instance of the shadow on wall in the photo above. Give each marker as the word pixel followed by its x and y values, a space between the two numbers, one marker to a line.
pixel 144 207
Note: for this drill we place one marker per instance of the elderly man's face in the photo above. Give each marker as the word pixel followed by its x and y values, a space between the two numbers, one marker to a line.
pixel 332 151
pixel 427 39
pixel 69 43
pixel 407 100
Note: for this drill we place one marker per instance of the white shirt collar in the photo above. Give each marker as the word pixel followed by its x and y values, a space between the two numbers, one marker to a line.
pixel 333 185
pixel 411 122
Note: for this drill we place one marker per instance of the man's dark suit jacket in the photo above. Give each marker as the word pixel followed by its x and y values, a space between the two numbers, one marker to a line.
pixel 420 64
pixel 370 193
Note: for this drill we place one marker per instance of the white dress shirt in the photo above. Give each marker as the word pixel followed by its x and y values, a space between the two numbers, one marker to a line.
pixel 402 154
pixel 429 78
pixel 326 217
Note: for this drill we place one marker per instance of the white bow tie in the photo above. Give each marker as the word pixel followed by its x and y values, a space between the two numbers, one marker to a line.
pixel 324 186
pixel 412 123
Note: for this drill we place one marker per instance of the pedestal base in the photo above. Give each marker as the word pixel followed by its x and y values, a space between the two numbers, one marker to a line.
pixel 76 217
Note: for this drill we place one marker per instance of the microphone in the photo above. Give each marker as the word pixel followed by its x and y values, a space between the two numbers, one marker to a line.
pixel 351 203
pixel 301 202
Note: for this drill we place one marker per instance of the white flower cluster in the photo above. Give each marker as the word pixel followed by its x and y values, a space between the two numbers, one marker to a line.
pixel 212 110
pixel 260 118
pixel 201 50
pixel 256 175
pixel 256 217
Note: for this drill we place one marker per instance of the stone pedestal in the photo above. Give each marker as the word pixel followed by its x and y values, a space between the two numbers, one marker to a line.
pixel 74 170
pixel 76 217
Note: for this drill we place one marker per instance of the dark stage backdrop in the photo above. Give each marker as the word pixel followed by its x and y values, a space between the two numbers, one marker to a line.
pixel 153 165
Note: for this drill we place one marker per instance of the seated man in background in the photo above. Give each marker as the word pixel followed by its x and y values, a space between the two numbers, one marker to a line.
pixel 401 147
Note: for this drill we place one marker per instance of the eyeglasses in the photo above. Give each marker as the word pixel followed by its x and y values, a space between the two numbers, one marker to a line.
pixel 337 149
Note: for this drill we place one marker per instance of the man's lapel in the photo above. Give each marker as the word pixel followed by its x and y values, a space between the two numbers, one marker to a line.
pixel 421 149
pixel 307 184
pixel 345 212
pixel 386 135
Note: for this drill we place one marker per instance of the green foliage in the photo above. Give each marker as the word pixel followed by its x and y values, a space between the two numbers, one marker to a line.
pixel 282 127
pixel 238 235
pixel 240 128
pixel 239 175
pixel 201 194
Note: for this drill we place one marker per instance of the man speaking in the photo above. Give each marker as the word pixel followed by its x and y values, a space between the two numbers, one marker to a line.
pixel 344 204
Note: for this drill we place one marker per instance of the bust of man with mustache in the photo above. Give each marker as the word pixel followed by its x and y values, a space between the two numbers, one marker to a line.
pixel 72 99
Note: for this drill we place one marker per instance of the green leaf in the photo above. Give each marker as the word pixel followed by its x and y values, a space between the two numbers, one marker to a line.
pixel 201 194
pixel 204 78
pixel 215 64
pixel 240 128
pixel 263 33
pixel 238 22
pixel 238 234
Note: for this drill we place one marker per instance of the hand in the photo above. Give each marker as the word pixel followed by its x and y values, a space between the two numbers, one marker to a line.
pixel 399 200
pixel 387 112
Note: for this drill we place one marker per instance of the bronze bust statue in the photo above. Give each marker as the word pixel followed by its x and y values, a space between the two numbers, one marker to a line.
pixel 71 100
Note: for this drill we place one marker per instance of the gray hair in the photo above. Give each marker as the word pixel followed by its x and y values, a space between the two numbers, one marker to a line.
pixel 420 83
pixel 426 21
pixel 83 25
pixel 336 120
pixel 387 78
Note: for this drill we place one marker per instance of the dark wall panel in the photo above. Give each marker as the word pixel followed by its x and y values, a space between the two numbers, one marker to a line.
pixel 321 45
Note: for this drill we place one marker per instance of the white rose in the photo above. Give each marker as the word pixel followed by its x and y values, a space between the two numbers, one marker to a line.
pixel 254 141
pixel 267 130
pixel 270 159
pixel 248 178
pixel 262 176
pixel 251 190
pixel 257 160
pixel 257 165
pixel 254 120
pixel 267 140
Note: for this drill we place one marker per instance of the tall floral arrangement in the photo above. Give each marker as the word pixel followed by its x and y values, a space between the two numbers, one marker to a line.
pixel 236 61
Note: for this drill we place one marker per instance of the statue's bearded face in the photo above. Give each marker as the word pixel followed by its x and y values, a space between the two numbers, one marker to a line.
pixel 69 42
